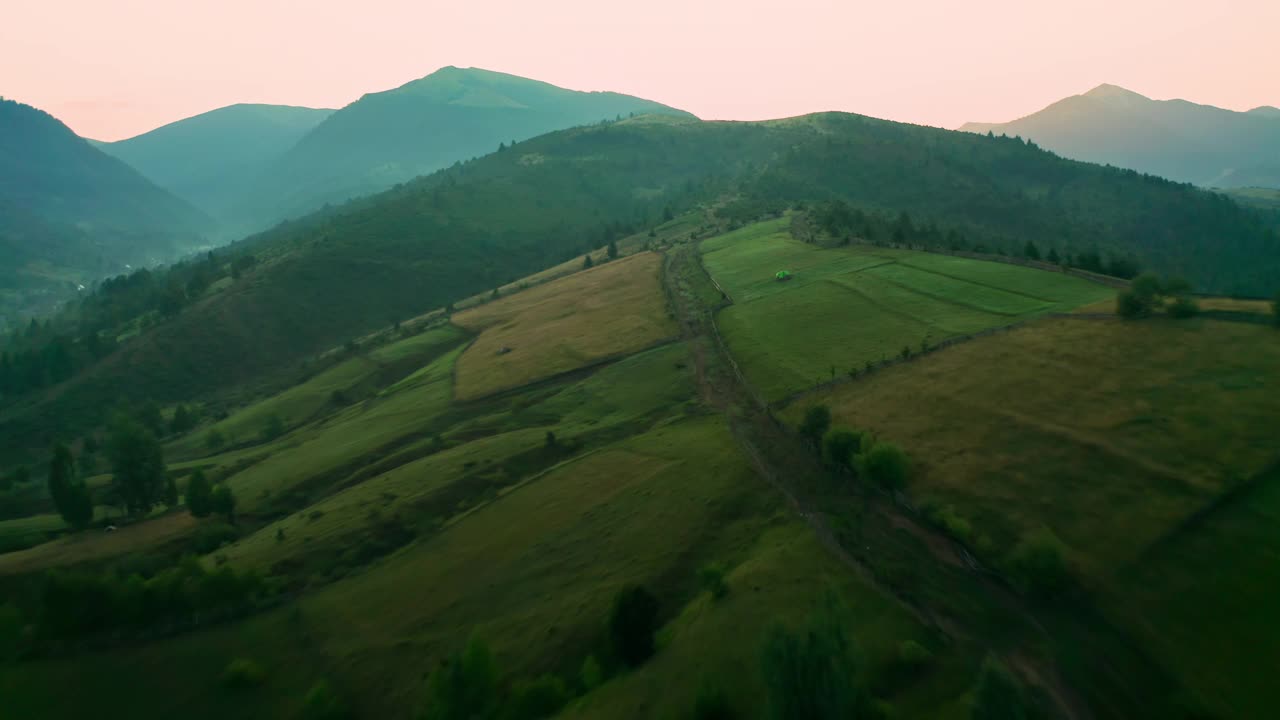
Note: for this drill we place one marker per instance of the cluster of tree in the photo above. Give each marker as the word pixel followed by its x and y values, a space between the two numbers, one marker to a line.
pixel 205 499
pixel 813 672
pixel 76 605
pixel 855 453
pixel 843 223
pixel 1148 294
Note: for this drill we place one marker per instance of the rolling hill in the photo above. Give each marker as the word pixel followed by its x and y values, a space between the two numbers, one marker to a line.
pixel 339 274
pixel 1176 139
pixel 208 159
pixel 453 114
pixel 70 213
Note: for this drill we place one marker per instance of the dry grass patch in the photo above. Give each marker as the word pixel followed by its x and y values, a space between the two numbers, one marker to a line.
pixel 608 311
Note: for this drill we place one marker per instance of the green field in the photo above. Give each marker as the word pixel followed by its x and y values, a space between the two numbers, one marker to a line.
pixel 845 307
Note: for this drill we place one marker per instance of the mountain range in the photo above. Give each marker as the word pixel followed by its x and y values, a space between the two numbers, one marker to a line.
pixel 1175 139
pixel 253 165
pixel 69 212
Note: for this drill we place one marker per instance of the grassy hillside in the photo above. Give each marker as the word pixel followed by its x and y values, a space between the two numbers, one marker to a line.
pixel 341 273
pixel 844 308
pixel 1144 447
pixel 609 311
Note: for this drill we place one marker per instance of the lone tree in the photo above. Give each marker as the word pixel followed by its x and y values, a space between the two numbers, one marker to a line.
pixel 632 623
pixel 587 264
pixel 817 420
pixel 199 495
pixel 1031 251
pixel 70 496
pixel 612 249
pixel 887 466
pixel 1053 257
pixel 997 695
pixel 137 466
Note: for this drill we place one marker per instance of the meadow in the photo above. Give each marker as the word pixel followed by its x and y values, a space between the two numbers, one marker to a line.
pixel 845 307
pixel 609 311
pixel 1147 448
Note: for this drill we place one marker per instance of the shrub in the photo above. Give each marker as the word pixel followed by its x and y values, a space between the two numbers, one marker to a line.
pixel 1130 306
pixel 632 624
pixel 211 536
pixel 712 703
pixel 817 420
pixel 464 687
pixel 537 699
pixel 887 466
pixel 1184 306
pixel 1039 566
pixel 997 695
pixel 839 447
pixel 242 673
pixel 590 675
pixel 322 703
pixel 712 577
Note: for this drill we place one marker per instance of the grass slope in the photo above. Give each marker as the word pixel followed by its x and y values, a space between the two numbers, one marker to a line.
pixel 845 307
pixel 608 311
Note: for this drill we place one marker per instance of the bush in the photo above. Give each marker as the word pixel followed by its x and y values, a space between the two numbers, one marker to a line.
pixel 590 676
pixel 713 703
pixel 887 466
pixel 322 703
pixel 839 447
pixel 997 695
pixel 212 536
pixel 242 673
pixel 537 699
pixel 1039 565
pixel 632 624
pixel 1130 306
pixel 1184 306
pixel 817 420
pixel 712 577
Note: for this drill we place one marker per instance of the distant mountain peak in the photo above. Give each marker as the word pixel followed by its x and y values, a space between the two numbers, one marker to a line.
pixel 1265 111
pixel 1107 91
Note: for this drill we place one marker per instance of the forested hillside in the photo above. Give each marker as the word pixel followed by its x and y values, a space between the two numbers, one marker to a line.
pixel 69 212
pixel 389 137
pixel 209 159
pixel 371 262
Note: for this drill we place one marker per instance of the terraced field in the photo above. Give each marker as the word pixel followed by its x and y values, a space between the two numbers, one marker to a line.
pixel 846 307
pixel 608 311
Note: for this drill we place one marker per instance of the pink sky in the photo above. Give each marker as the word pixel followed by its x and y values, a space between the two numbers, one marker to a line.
pixel 115 69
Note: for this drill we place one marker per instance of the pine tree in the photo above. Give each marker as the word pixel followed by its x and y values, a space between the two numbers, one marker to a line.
pixel 70 495
pixel 613 250
pixel 1031 251
pixel 199 495
pixel 587 264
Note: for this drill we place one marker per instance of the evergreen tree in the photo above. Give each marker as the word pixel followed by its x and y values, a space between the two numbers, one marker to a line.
pixel 632 624
pixel 223 502
pixel 170 492
pixel 1053 256
pixel 587 264
pixel 817 420
pixel 1031 251
pixel 199 495
pixel 69 494
pixel 613 249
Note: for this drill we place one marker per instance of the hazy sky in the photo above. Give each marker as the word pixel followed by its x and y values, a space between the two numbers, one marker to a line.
pixel 112 69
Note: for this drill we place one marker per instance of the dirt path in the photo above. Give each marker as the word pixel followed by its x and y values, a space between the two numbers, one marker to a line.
pixel 770 447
